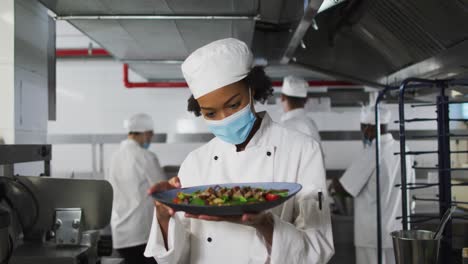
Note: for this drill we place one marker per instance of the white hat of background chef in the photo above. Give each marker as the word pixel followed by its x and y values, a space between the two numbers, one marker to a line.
pixel 294 86
pixel 217 64
pixel 139 123
pixel 368 115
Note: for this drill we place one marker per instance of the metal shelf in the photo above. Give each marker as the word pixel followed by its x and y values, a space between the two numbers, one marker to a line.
pixel 435 104
pixel 440 169
pixel 414 186
pixel 452 136
pixel 437 200
pixel 416 120
pixel 443 138
pixel 418 152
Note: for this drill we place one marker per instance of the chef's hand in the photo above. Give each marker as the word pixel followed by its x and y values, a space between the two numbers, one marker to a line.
pixel 263 222
pixel 163 212
pixel 338 188
pixel 335 186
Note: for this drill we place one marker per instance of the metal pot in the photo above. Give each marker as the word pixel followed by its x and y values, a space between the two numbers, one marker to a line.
pixel 415 247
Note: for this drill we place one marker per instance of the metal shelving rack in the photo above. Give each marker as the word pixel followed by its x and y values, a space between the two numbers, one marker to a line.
pixel 443 151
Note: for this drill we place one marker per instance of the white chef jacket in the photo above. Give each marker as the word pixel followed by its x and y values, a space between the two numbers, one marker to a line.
pixel 133 170
pixel 359 181
pixel 298 119
pixel 302 232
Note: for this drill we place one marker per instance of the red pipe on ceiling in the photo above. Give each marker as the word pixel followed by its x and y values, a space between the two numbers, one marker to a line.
pixel 129 84
pixel 66 53
pixel 63 53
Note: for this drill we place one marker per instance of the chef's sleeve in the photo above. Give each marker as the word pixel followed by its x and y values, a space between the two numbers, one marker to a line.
pixel 178 234
pixel 178 241
pixel 308 238
pixel 358 174
pixel 151 169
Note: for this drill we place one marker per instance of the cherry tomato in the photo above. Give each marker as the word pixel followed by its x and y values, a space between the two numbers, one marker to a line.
pixel 176 200
pixel 271 197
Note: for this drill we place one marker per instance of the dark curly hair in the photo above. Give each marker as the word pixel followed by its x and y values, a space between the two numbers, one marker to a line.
pixel 256 79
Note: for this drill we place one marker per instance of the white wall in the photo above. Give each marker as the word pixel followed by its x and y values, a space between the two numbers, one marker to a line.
pixel 91 99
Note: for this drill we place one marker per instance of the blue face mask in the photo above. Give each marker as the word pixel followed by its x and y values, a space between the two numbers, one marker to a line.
pixel 146 145
pixel 235 128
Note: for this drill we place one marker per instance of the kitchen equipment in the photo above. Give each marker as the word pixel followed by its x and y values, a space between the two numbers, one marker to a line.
pixel 40 209
pixel 415 247
pixel 444 167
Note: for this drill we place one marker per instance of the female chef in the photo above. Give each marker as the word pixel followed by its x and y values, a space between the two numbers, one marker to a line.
pixel 248 147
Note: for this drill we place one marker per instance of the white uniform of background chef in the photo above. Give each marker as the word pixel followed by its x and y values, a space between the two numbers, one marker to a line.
pixel 293 99
pixel 248 147
pixel 133 169
pixel 359 181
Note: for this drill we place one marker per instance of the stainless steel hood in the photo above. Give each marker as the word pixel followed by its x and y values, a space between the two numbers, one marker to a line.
pixel 385 41
pixel 154 36
pixel 375 42
pixel 151 7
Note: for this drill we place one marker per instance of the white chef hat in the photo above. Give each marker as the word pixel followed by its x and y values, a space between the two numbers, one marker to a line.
pixel 294 86
pixel 217 64
pixel 368 115
pixel 139 123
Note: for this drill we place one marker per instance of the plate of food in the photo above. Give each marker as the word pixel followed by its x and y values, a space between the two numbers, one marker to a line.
pixel 228 199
